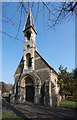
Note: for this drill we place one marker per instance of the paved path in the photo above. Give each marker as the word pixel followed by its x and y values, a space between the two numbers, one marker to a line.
pixel 29 110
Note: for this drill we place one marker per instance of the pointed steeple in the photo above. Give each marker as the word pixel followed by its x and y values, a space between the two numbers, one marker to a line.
pixel 29 22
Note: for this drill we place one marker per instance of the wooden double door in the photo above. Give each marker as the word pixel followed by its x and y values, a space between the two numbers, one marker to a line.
pixel 30 93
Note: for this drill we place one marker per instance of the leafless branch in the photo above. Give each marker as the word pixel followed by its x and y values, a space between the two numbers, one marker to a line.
pixel 11 36
pixel 32 5
pixel 8 3
pixel 72 6
pixel 23 6
pixel 55 12
pixel 37 12
pixel 7 17
pixel 28 5
pixel 48 8
pixel 15 12
pixel 19 23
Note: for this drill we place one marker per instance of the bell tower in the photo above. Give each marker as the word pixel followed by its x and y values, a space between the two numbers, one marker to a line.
pixel 30 42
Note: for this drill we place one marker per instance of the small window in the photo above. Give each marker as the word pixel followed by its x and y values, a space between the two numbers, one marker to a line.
pixel 55 80
pixel 28 46
pixel 29 60
pixel 28 35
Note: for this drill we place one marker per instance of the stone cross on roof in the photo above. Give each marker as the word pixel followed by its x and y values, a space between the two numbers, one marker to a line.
pixel 29 21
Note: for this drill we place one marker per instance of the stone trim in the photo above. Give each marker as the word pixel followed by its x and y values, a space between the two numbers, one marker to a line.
pixel 43 69
pixel 29 71
pixel 16 75
pixel 54 72
pixel 36 58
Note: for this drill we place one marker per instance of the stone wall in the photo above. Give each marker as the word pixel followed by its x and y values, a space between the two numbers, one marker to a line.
pixel 54 89
pixel 44 82
pixel 54 78
pixel 39 62
pixel 20 67
pixel 44 75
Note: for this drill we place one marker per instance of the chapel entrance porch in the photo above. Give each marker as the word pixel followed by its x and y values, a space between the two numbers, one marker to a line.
pixel 29 89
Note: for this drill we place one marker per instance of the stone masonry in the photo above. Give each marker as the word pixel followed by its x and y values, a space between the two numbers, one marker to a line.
pixel 35 79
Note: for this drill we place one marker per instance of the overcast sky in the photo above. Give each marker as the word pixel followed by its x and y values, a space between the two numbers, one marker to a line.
pixel 57 46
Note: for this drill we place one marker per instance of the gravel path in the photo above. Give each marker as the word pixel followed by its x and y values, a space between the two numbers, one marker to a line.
pixel 29 110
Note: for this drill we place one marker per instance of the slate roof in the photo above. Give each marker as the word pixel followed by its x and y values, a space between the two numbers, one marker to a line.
pixel 42 59
pixel 29 21
pixel 47 63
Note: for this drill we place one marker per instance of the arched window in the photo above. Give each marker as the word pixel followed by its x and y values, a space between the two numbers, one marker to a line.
pixel 28 46
pixel 28 60
pixel 55 80
pixel 28 35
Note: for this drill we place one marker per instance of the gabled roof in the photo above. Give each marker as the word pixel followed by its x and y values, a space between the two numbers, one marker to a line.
pixel 29 21
pixel 47 63
pixel 20 65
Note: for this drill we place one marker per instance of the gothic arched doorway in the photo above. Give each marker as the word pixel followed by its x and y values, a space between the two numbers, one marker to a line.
pixel 29 89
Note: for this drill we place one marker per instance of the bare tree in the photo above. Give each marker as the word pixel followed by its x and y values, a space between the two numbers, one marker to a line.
pixel 5 87
pixel 56 13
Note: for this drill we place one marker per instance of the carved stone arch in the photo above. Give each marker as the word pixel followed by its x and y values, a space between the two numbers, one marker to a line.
pixel 29 75
pixel 31 79
pixel 29 90
pixel 28 52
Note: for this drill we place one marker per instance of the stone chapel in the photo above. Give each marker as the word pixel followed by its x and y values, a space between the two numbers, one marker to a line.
pixel 35 79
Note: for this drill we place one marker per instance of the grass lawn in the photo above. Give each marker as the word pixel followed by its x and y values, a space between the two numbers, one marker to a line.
pixel 68 104
pixel 8 115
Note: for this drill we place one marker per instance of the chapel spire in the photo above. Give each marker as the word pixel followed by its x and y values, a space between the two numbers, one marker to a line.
pixel 30 42
pixel 29 22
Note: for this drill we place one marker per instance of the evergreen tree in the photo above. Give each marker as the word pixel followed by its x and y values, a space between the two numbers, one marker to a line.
pixel 66 82
pixel 75 83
